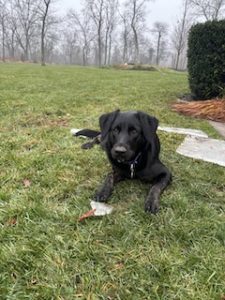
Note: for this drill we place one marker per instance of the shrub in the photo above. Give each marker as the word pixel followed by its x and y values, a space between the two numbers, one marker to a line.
pixel 206 59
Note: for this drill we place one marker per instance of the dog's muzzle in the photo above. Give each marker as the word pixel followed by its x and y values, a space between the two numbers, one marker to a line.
pixel 121 153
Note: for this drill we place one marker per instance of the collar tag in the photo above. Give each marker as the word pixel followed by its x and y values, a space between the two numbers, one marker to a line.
pixel 132 171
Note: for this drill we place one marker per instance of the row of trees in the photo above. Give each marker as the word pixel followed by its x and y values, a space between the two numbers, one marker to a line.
pixel 24 28
pixel 103 32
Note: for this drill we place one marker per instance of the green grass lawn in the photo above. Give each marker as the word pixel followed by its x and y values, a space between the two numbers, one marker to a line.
pixel 45 253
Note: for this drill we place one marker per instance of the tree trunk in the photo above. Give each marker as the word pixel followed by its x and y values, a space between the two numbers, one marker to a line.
pixel 12 44
pixel 158 48
pixel 177 60
pixel 181 37
pixel 84 52
pixel 3 37
pixel 43 45
pixel 47 3
pixel 136 42
pixel 3 43
pixel 136 54
pixel 110 49
pixel 99 49
pixel 106 46
pixel 125 45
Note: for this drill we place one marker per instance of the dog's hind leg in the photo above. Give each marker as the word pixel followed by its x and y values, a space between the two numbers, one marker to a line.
pixel 87 133
pixel 91 144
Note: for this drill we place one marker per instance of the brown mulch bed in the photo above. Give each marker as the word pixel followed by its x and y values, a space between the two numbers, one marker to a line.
pixel 213 110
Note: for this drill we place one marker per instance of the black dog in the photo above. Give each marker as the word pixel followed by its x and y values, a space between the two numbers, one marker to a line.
pixel 132 147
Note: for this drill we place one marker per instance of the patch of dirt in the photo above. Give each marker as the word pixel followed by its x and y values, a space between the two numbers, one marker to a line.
pixel 44 121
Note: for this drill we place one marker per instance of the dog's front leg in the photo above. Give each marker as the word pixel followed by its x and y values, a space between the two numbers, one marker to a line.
pixel 152 201
pixel 106 189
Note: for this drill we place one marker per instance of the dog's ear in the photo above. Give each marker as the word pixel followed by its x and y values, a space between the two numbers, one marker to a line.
pixel 149 127
pixel 106 121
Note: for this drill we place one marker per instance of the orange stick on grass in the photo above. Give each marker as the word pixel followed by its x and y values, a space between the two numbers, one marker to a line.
pixel 87 215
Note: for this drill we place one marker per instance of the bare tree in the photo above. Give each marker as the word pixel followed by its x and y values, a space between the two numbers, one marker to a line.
pixel 136 9
pixel 110 23
pixel 11 41
pixel 180 32
pixel 82 24
pixel 125 34
pixel 209 9
pixel 151 54
pixel 160 29
pixel 70 45
pixel 116 55
pixel 43 11
pixel 26 23
pixel 3 17
pixel 96 10
pixel 27 31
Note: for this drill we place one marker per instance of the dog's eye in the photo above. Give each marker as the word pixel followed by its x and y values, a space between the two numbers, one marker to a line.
pixel 132 131
pixel 116 130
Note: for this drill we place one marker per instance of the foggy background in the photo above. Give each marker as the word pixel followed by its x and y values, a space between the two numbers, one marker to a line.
pixel 101 32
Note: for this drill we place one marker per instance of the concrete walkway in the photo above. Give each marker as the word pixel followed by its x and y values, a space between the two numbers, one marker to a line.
pixel 219 127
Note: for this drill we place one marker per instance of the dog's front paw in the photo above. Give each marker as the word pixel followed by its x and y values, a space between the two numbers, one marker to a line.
pixel 152 206
pixel 87 145
pixel 101 197
pixel 105 191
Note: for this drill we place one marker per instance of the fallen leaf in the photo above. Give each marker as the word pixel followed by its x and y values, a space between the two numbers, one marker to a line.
pixel 118 266
pixel 26 182
pixel 34 281
pixel 12 221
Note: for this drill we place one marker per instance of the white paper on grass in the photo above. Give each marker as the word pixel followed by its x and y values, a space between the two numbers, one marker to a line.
pixel 186 131
pixel 73 131
pixel 101 209
pixel 209 150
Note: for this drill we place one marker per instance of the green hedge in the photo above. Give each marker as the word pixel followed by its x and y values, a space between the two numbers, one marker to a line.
pixel 206 60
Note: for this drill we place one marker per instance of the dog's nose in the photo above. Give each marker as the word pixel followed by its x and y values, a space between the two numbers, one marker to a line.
pixel 120 149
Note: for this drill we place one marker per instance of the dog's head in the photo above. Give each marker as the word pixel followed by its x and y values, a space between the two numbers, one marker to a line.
pixel 124 135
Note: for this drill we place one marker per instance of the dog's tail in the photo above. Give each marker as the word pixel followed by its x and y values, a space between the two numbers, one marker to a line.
pixel 88 133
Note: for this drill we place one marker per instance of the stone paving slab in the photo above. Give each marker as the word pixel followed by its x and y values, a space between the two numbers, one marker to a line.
pixel 185 131
pixel 209 150
pixel 219 127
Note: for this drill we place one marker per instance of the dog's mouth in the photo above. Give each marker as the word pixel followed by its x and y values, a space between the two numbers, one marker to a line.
pixel 123 158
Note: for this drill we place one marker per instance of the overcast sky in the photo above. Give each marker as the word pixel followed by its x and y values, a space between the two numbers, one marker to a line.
pixel 159 10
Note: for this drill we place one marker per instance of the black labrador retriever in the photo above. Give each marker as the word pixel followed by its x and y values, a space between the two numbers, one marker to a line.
pixel 132 146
